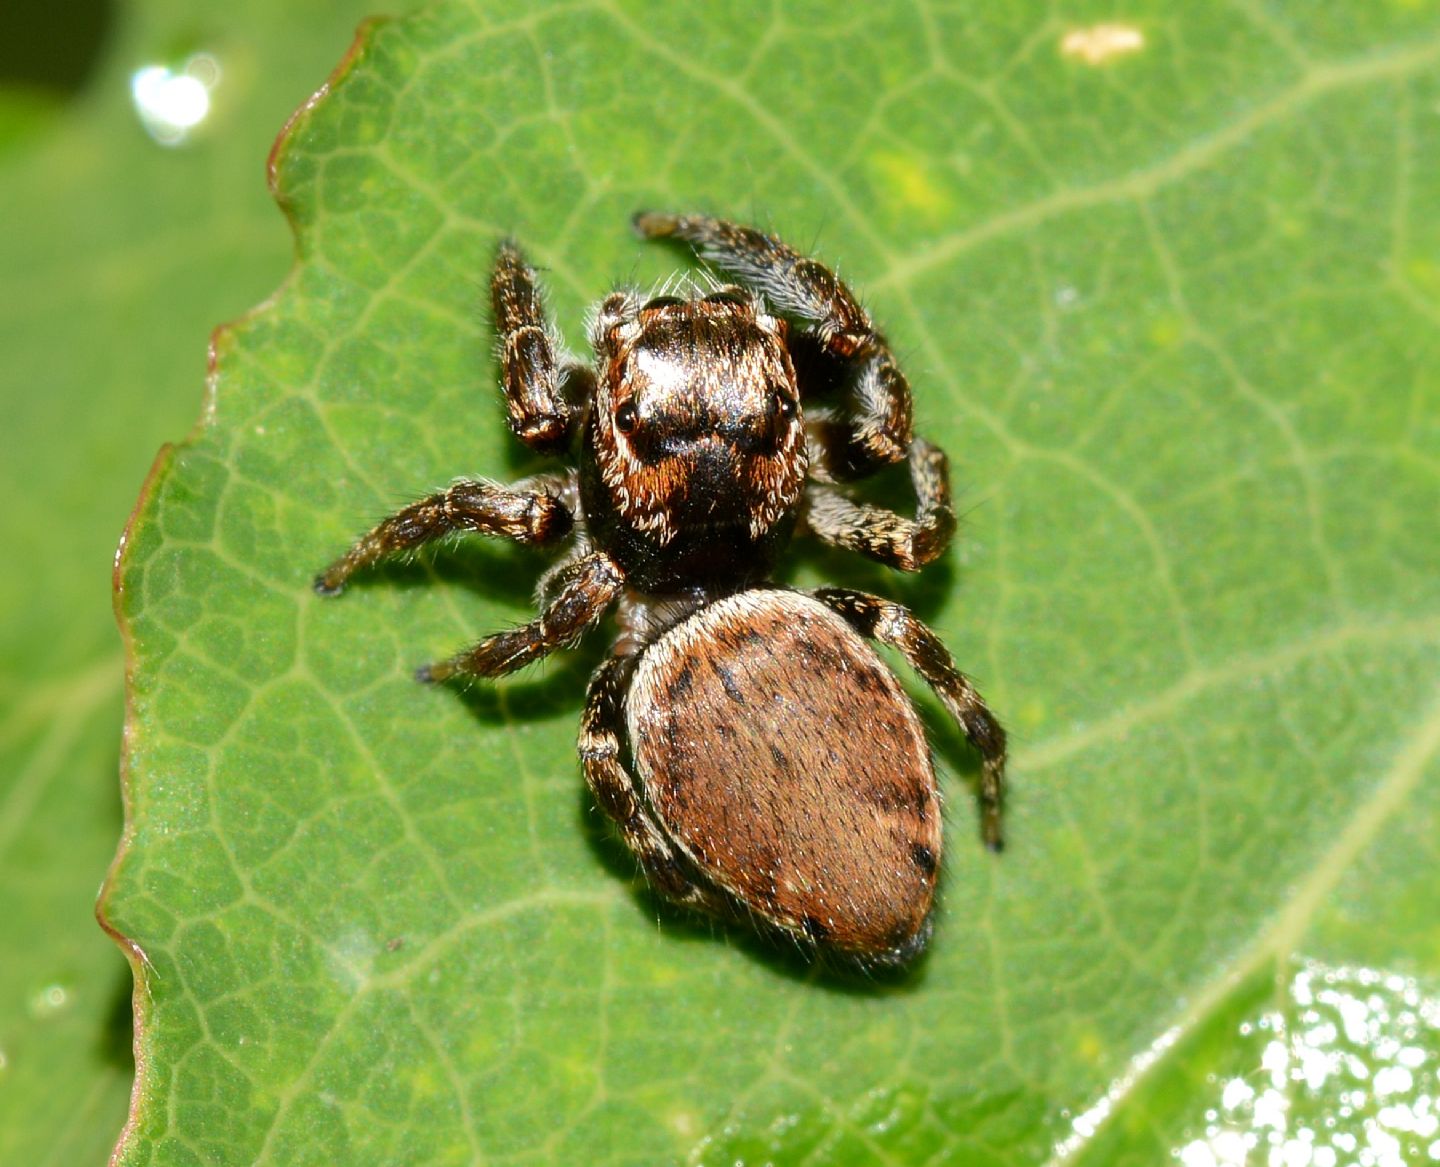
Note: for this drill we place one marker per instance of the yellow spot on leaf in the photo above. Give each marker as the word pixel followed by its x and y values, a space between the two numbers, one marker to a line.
pixel 1033 713
pixel 1166 331
pixel 905 182
pixel 1090 1048
pixel 1424 275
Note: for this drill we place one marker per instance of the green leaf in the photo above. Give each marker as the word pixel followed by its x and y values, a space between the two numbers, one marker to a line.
pixel 116 258
pixel 1168 296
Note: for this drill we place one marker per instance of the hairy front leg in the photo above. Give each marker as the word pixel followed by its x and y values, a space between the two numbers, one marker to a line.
pixel 884 535
pixel 534 510
pixel 874 426
pixel 540 380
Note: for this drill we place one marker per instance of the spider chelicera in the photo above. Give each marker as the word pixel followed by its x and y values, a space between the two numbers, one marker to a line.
pixel 753 750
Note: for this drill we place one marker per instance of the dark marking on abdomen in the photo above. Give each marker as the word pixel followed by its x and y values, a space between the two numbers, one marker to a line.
pixel 680 686
pixel 732 686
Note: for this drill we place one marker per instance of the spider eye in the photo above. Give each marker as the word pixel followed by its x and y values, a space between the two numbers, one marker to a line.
pixel 627 417
pixel 782 404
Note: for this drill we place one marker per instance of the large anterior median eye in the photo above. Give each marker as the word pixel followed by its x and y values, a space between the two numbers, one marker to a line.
pixel 627 417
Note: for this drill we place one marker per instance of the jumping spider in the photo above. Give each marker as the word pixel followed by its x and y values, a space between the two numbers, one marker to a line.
pixel 753 750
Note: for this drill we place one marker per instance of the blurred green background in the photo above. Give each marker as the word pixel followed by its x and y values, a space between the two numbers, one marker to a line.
pixel 118 255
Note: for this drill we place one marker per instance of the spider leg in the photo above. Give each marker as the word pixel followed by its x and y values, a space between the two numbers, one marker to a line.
pixel 896 626
pixel 534 510
pixel 873 429
pixel 616 791
pixel 581 593
pixel 540 381
pixel 881 534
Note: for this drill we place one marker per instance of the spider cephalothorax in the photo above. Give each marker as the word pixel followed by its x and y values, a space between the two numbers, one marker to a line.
pixel 752 749
pixel 694 455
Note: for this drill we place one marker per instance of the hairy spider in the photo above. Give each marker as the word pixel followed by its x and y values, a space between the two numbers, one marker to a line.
pixel 753 750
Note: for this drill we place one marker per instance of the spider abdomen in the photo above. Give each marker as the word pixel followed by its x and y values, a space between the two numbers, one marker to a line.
pixel 785 762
